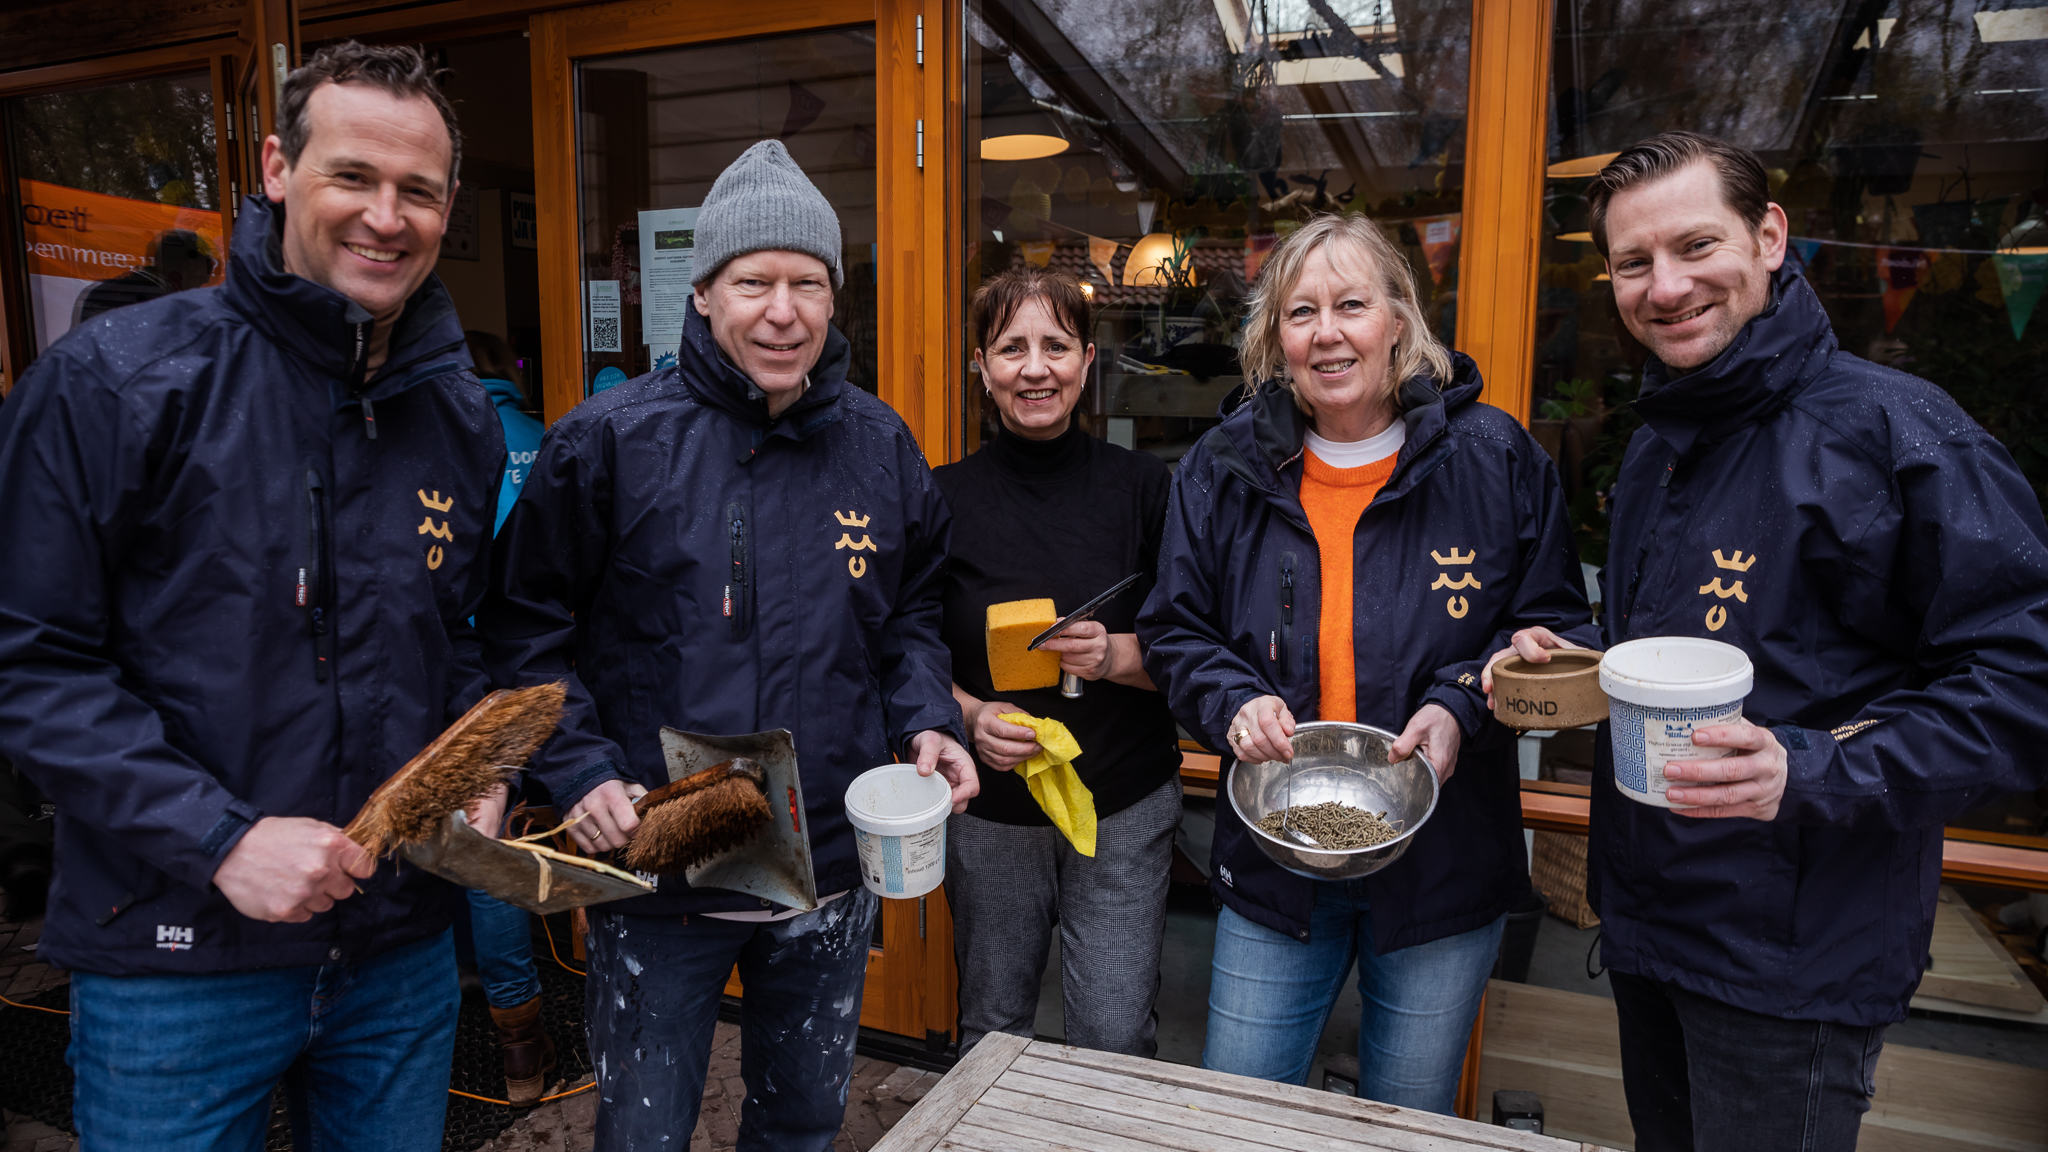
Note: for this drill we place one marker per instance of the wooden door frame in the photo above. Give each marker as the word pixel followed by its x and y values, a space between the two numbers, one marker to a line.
pixel 911 982
pixel 1506 134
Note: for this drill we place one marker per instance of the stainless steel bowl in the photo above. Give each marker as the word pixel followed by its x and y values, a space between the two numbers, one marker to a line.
pixel 1346 763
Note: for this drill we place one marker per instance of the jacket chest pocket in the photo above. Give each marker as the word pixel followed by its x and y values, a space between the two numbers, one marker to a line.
pixel 1290 649
pixel 738 599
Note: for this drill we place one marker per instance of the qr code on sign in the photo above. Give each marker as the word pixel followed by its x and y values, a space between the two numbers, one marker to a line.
pixel 604 334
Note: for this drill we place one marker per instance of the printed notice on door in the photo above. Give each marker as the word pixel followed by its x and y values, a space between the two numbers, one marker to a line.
pixel 668 258
pixel 604 316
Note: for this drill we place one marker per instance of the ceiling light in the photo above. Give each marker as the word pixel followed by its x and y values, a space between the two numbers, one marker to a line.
pixel 1576 237
pixel 1024 146
pixel 1582 166
pixel 1150 262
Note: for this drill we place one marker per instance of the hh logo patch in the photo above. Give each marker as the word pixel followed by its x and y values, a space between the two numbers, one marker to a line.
pixel 440 531
pixel 856 564
pixel 173 938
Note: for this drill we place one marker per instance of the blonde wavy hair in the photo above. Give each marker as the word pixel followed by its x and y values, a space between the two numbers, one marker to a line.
pixel 1417 351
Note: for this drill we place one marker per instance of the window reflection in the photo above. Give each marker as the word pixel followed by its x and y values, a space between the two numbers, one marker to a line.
pixel 119 201
pixel 1908 145
pixel 1159 149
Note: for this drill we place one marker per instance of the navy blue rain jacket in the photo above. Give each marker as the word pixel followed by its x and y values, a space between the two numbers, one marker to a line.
pixel 1885 566
pixel 1467 542
pixel 222 599
pixel 681 559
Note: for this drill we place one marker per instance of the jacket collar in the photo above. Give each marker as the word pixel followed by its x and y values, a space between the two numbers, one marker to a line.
pixel 329 331
pixel 1773 357
pixel 715 381
pixel 1270 437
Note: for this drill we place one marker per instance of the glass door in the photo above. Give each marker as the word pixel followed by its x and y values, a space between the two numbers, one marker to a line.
pixel 636 112
pixel 654 129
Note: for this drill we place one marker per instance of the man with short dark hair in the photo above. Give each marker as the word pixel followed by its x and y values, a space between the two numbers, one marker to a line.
pixel 1884 565
pixel 242 538
pixel 741 542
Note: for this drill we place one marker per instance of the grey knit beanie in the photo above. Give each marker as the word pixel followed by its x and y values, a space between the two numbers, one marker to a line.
pixel 764 202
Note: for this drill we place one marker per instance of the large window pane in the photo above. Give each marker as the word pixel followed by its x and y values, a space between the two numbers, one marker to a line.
pixel 118 196
pixel 1908 143
pixel 1158 150
pixel 655 129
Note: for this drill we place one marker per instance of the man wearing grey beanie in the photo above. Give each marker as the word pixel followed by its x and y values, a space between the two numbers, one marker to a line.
pixel 739 543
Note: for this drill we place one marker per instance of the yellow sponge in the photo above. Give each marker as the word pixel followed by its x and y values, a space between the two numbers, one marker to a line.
pixel 1011 665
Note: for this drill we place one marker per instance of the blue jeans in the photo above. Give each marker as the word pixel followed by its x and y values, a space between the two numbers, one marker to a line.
pixel 502 935
pixel 1270 996
pixel 187 1063
pixel 651 1000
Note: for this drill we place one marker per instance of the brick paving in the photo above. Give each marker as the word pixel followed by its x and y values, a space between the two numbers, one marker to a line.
pixel 880 1095
pixel 23 976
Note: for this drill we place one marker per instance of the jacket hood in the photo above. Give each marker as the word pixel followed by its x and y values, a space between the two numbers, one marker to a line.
pixel 1270 436
pixel 1776 355
pixel 503 392
pixel 715 380
pixel 327 330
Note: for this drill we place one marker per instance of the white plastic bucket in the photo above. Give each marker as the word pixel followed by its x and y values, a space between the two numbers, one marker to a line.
pixel 1659 690
pixel 899 822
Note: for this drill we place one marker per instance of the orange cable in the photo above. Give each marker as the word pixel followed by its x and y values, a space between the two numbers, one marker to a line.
pixel 508 1103
pixel 551 947
pixel 33 1008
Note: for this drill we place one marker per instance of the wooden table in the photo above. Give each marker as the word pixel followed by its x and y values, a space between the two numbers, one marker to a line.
pixel 1010 1093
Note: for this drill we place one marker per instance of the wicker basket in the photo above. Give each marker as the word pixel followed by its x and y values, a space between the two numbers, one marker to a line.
pixel 1559 872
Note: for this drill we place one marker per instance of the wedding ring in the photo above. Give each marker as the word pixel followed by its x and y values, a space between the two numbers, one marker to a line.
pixel 1238 736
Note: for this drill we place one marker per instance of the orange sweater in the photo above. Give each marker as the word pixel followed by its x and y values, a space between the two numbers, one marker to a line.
pixel 1334 499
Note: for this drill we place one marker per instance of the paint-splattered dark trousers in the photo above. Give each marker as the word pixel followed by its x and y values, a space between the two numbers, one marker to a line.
pixel 652 999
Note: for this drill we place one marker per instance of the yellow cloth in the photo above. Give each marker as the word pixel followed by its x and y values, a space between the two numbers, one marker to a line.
pixel 1055 785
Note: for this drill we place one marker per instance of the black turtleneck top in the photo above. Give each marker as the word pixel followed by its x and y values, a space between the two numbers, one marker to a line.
pixel 1065 518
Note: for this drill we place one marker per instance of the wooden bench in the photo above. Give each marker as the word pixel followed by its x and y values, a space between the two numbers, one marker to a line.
pixel 1011 1093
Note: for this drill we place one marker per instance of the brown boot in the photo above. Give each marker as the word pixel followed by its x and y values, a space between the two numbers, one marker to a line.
pixel 529 1052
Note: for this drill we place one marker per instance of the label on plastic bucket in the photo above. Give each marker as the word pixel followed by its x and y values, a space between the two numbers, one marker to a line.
pixel 1645 739
pixel 901 867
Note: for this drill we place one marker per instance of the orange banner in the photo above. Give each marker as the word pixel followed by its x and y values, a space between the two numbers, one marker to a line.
pixel 83 235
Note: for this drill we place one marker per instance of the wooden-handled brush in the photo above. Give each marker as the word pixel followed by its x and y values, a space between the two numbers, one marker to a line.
pixel 491 740
pixel 693 819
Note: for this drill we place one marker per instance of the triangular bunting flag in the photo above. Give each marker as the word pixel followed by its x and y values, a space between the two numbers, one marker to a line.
pixel 2021 275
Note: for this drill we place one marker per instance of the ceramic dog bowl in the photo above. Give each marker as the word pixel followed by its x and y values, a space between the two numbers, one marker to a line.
pixel 1564 693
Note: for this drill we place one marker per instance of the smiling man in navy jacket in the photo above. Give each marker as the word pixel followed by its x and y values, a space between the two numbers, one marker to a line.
pixel 1884 565
pixel 242 535
pixel 741 542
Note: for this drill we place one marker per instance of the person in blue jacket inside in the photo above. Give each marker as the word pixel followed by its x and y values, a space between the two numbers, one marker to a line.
pixel 501 934
pixel 1348 545
pixel 1884 564
pixel 243 539
pixel 498 369
pixel 738 543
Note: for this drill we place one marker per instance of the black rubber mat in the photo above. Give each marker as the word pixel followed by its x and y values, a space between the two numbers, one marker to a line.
pixel 35 1081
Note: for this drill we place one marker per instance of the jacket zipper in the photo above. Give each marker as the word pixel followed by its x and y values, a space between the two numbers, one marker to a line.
pixel 736 599
pixel 313 591
pixel 1281 647
pixel 358 367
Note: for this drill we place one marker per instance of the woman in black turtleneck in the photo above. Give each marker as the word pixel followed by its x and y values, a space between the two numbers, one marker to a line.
pixel 1046 510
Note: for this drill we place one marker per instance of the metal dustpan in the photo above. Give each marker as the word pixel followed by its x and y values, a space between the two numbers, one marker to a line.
pixel 461 854
pixel 775 864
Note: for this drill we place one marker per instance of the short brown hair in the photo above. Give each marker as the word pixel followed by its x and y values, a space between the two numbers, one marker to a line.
pixel 492 357
pixel 996 302
pixel 401 70
pixel 1744 187
pixel 1417 350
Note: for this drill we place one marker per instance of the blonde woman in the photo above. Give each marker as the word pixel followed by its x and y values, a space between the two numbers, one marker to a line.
pixel 1349 544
